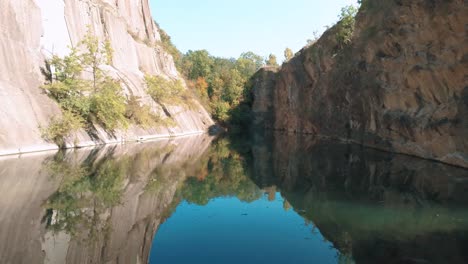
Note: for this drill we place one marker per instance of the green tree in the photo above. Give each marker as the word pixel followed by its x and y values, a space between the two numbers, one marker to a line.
pixel 200 63
pixel 84 101
pixel 225 173
pixel 346 25
pixel 141 114
pixel 85 193
pixel 248 63
pixel 234 86
pixel 109 105
pixel 272 60
pixel 226 80
pixel 95 54
pixel 257 59
pixel 288 54
pixel 164 91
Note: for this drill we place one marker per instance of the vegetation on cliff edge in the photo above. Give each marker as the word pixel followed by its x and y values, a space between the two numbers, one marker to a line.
pixel 87 95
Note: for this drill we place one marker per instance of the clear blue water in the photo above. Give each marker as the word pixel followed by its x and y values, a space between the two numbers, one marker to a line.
pixel 287 199
pixel 227 230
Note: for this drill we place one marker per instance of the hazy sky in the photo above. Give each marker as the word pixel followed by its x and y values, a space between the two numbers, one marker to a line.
pixel 227 28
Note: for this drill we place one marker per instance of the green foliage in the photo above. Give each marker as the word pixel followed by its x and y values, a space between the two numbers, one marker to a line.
pixel 225 173
pixel 234 85
pixel 98 99
pixel 85 193
pixel 94 53
pixel 108 182
pixel 109 105
pixel 70 94
pixel 197 63
pixel 141 114
pixel 220 110
pixel 345 26
pixel 219 83
pixel 226 81
pixel 61 127
pixel 69 68
pixel 164 91
pixel 272 61
pixel 248 63
pixel 288 54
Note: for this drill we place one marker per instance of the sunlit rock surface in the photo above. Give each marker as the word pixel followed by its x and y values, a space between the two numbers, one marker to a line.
pixel 31 31
pixel 400 85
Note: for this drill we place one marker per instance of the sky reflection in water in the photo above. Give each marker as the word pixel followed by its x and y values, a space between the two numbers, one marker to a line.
pixel 227 230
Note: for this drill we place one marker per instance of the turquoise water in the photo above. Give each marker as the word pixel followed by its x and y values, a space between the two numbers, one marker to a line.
pixel 227 230
pixel 282 199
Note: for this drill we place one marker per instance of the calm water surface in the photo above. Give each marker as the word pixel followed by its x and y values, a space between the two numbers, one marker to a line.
pixel 227 230
pixel 268 199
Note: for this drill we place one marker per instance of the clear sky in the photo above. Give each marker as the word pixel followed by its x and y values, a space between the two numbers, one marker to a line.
pixel 227 28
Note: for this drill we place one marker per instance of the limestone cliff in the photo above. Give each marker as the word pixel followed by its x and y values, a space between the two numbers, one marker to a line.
pixel 399 86
pixel 32 30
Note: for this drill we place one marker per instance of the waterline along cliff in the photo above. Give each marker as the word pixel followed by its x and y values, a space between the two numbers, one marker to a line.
pixel 32 32
pixel 95 205
pixel 393 79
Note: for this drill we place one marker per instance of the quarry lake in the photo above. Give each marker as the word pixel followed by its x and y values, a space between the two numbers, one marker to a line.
pixel 268 199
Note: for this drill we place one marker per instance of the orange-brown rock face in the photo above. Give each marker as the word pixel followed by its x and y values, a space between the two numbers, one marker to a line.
pixel 399 86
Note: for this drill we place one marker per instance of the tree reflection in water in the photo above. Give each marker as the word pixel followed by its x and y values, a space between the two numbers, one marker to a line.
pixel 373 207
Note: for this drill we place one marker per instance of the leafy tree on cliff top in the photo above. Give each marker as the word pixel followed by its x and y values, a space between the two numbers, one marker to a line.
pixel 288 54
pixel 272 61
pixel 346 25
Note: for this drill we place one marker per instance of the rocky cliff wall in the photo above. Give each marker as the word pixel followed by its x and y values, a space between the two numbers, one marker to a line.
pixel 399 86
pixel 32 30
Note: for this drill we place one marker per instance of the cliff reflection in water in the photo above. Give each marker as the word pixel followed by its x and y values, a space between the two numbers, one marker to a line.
pixel 92 206
pixel 374 206
pixel 106 205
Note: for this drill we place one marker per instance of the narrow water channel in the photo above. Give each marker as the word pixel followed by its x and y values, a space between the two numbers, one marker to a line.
pixel 273 199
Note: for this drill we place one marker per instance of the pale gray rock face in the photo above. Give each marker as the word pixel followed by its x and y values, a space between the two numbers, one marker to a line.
pixel 31 31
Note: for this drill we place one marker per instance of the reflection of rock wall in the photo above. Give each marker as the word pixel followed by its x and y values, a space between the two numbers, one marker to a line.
pixel 303 162
pixel 23 189
pixel 376 206
pixel 131 224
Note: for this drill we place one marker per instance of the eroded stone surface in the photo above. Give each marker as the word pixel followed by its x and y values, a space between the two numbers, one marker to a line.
pixel 31 31
pixel 400 85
